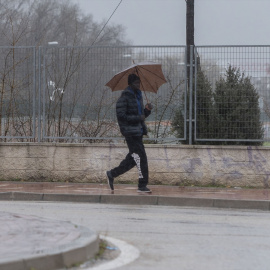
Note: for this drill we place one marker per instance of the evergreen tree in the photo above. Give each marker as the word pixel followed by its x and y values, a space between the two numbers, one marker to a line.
pixel 178 122
pixel 237 107
pixel 230 112
pixel 204 112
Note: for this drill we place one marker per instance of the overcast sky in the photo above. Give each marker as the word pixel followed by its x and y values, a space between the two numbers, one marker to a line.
pixel 163 22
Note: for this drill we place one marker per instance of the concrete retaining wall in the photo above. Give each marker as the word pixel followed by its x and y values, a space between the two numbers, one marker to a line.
pixel 168 164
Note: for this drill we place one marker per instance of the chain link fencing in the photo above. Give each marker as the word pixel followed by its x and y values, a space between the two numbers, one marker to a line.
pixel 58 94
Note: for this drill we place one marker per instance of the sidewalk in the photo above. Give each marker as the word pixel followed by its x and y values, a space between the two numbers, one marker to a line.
pixel 127 194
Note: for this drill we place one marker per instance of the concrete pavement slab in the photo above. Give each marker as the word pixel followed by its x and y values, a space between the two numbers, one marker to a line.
pixel 29 242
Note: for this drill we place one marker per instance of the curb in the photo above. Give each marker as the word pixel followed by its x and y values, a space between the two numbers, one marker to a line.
pixel 139 200
pixel 80 250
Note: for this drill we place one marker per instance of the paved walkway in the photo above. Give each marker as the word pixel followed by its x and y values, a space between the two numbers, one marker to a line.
pixel 127 194
pixel 172 191
pixel 27 241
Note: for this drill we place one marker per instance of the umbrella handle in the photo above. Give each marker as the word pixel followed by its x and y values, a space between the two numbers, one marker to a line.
pixel 146 96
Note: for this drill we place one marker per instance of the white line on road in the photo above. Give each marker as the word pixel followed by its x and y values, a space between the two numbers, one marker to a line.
pixel 128 254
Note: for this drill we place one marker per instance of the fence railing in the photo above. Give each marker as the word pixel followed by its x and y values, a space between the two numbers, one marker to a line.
pixel 232 93
pixel 57 93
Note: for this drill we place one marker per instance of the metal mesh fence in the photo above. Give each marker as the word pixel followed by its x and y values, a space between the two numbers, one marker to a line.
pixel 61 95
pixel 232 93
pixel 77 105
pixel 17 93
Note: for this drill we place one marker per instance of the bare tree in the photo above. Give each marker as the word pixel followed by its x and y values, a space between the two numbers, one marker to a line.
pixel 35 23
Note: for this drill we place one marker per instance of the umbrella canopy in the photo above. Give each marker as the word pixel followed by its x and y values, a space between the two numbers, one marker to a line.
pixel 150 73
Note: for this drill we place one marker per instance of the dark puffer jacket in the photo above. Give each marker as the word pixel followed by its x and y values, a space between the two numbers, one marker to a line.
pixel 128 116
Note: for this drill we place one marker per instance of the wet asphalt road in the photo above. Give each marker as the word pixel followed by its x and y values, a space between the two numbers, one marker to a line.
pixel 171 237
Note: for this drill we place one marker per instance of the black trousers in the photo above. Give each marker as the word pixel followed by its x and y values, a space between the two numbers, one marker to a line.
pixel 135 157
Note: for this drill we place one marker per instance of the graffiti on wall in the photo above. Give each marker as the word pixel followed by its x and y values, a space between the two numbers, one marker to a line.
pixel 221 166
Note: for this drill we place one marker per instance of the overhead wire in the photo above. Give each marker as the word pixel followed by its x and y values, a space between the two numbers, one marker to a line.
pixel 99 33
pixel 106 22
pixel 104 28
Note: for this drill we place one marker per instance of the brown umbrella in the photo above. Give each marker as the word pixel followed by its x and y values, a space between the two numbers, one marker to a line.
pixel 150 73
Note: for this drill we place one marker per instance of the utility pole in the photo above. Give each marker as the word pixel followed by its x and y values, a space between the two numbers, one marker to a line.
pixel 189 25
pixel 190 60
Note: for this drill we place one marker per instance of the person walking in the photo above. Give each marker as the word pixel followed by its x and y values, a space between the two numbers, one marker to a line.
pixel 131 116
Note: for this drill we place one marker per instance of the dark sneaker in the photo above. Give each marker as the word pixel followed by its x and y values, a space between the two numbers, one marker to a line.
pixel 110 179
pixel 144 190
